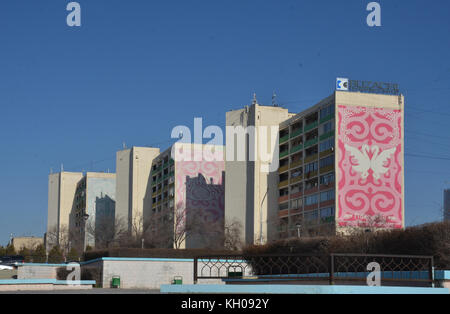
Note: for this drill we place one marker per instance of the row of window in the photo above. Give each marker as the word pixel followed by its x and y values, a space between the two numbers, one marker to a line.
pixel 309 200
pixel 295 188
pixel 325 215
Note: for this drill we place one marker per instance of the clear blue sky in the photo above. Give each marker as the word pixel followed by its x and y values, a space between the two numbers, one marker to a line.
pixel 137 68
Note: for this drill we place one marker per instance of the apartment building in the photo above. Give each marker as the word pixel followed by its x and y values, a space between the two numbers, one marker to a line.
pixel 187 194
pixel 94 205
pixel 72 205
pixel 341 165
pixel 133 185
pixel 251 193
pixel 61 194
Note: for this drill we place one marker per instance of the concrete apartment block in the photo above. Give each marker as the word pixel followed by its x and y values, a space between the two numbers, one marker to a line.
pixel 61 195
pixel 249 199
pixel 133 168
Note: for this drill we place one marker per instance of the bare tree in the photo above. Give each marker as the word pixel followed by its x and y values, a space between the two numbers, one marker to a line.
pixel 107 231
pixel 233 235
pixel 172 228
pixel 62 237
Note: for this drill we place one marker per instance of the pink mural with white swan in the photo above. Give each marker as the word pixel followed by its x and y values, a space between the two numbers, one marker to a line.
pixel 370 167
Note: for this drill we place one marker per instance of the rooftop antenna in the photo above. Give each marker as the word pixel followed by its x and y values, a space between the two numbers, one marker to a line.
pixel 51 170
pixel 274 96
pixel 62 167
pixel 124 145
pixel 254 101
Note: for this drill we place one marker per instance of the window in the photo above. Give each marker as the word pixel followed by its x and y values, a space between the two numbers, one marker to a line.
pixel 311 167
pixel 296 188
pixel 327 196
pixel 311 184
pixel 326 145
pixel 311 200
pixel 284 192
pixel 326 214
pixel 327 127
pixel 297 204
pixel 296 173
pixel 327 161
pixel 284 206
pixel 311 217
pixel 327 179
pixel 327 111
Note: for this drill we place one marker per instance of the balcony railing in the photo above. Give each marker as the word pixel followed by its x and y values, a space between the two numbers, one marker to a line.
pixel 284 153
pixel 311 142
pixel 284 139
pixel 296 133
pixel 311 126
pixel 296 148
pixel 326 135
pixel 327 118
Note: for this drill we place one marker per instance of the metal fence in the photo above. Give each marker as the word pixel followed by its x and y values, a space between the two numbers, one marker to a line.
pixel 416 270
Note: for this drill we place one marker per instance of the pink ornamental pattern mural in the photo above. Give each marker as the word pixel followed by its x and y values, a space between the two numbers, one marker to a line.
pixel 370 164
pixel 200 188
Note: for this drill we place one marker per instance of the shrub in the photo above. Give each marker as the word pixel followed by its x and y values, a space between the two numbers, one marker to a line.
pixel 430 239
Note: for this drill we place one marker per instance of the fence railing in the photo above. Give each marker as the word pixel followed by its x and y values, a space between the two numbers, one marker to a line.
pixel 325 268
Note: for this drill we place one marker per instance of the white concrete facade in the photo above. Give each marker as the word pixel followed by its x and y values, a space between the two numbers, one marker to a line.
pixel 249 200
pixel 61 193
pixel 133 185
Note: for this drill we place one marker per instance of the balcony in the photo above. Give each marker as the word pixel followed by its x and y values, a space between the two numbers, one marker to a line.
pixel 296 164
pixel 311 126
pixel 327 169
pixel 311 158
pixel 327 135
pixel 283 169
pixel 296 133
pixel 158 169
pixel 311 142
pixel 296 179
pixel 284 153
pixel 283 183
pixel 326 152
pixel 296 148
pixel 327 118
pixel 311 174
pixel 284 139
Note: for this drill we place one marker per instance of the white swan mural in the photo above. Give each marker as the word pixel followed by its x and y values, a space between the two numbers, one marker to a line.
pixel 364 162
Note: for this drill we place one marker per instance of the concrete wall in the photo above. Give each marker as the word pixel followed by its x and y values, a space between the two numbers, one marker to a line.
pixel 61 194
pixel 133 168
pixel 145 273
pixel 38 271
pixel 246 184
pixel 123 184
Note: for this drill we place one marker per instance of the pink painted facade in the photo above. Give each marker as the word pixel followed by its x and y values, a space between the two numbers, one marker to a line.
pixel 369 167
pixel 200 188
